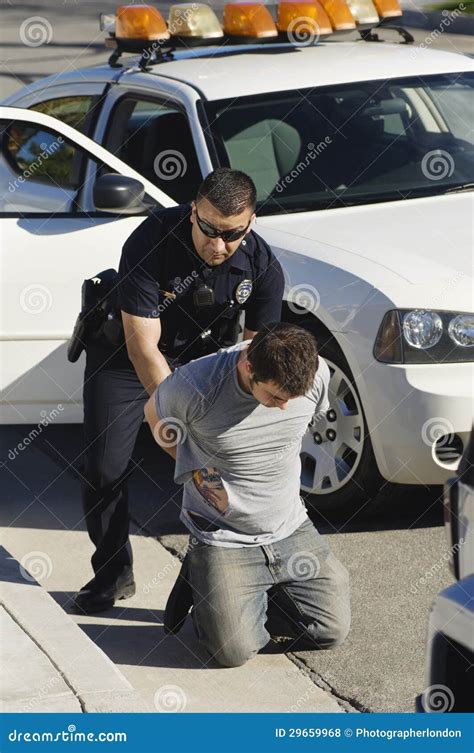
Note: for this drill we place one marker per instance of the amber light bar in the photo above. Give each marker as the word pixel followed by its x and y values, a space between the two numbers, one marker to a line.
pixel 248 20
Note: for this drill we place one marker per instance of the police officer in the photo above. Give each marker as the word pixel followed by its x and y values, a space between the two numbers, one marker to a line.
pixel 185 275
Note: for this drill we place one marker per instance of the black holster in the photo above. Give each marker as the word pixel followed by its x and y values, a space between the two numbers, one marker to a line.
pixel 99 320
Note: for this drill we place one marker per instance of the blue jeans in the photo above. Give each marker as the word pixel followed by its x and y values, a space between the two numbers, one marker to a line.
pixel 235 615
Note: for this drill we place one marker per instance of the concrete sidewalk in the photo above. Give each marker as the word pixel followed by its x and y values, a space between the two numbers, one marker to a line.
pixel 120 660
pixel 47 663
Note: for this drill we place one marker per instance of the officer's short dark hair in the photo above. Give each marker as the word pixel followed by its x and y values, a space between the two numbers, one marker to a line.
pixel 229 191
pixel 285 354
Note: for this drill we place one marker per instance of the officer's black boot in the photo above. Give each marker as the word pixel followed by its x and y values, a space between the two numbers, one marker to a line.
pixel 97 597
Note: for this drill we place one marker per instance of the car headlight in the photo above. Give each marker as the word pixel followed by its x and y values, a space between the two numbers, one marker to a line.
pixel 422 329
pixel 461 330
pixel 421 336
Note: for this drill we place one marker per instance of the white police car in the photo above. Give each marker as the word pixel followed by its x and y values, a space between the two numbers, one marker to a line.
pixel 363 161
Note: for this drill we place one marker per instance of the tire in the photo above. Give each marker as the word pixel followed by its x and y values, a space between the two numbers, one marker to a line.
pixel 339 474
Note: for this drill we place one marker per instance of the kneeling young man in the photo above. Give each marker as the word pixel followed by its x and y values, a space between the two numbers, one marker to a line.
pixel 238 418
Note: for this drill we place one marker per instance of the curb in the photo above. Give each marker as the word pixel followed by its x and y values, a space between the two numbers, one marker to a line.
pixel 92 677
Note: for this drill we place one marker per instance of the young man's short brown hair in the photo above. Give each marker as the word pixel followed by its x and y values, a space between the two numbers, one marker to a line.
pixel 285 354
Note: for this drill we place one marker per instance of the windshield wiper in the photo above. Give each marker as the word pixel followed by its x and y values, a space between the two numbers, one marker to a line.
pixel 462 187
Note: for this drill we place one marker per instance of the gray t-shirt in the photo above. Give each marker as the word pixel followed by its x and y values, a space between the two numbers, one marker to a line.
pixel 239 461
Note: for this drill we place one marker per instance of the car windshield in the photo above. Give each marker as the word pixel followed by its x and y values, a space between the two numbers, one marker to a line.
pixel 350 144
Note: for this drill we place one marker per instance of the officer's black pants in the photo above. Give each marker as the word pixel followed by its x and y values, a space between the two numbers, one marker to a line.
pixel 114 401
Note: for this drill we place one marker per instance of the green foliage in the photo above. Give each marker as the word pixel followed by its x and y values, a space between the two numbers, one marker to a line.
pixel 468 6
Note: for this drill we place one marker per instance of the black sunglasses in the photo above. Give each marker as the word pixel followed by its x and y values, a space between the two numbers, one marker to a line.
pixel 213 232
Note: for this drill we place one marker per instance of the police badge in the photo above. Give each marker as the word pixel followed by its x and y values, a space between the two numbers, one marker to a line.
pixel 243 291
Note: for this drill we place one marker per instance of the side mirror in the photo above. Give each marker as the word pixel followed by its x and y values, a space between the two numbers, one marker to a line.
pixel 116 193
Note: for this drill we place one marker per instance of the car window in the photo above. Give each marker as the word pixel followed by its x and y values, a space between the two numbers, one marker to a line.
pixel 78 112
pixel 456 104
pixel 40 155
pixel 349 144
pixel 155 139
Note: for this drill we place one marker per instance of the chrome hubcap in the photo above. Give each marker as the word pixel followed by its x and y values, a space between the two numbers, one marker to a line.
pixel 332 446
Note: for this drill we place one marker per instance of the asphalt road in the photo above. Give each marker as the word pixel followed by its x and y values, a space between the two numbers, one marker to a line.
pixel 397 559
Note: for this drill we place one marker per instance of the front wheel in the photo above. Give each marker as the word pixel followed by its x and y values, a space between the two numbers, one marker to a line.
pixel 338 469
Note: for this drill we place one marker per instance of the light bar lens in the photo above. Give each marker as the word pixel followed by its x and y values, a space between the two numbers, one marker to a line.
pixel 298 19
pixel 248 20
pixel 339 15
pixel 193 20
pixel 363 11
pixel 107 22
pixel 388 8
pixel 143 22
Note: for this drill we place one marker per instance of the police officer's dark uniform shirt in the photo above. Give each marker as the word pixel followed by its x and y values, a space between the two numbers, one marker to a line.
pixel 160 270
